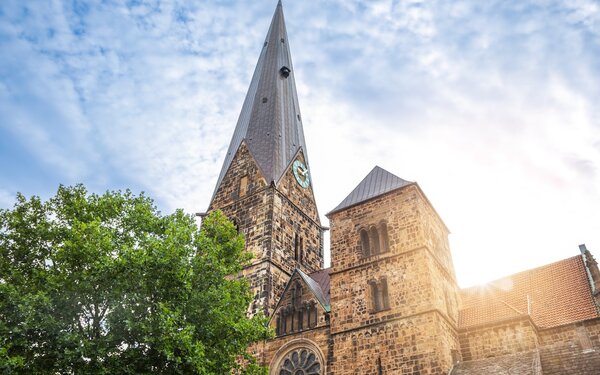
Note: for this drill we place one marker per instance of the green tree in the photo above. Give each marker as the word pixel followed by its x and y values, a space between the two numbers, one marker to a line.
pixel 104 284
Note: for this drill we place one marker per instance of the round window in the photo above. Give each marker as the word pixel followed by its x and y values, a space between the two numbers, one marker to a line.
pixel 300 362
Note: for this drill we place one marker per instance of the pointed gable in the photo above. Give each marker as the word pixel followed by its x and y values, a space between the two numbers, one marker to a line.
pixel 270 120
pixel 317 283
pixel 378 182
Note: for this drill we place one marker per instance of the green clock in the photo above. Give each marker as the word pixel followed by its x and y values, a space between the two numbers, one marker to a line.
pixel 301 173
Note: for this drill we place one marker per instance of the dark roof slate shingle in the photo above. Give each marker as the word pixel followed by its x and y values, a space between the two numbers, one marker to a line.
pixel 376 183
pixel 270 121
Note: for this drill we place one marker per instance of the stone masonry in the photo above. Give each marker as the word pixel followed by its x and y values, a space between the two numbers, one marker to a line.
pixel 417 333
pixel 390 303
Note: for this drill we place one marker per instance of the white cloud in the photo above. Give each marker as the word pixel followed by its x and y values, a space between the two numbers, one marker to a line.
pixel 491 107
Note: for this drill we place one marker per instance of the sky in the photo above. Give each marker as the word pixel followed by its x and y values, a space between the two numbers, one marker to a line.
pixel 492 107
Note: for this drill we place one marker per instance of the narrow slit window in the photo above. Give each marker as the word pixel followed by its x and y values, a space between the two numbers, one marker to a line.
pixel 364 242
pixel 384 241
pixel 374 240
pixel 243 186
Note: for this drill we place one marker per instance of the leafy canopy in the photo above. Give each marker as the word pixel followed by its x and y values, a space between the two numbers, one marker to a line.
pixel 103 284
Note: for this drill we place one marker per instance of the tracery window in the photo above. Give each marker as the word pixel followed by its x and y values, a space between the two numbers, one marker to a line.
pixel 300 362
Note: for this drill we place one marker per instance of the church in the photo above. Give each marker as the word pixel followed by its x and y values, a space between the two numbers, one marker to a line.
pixel 389 303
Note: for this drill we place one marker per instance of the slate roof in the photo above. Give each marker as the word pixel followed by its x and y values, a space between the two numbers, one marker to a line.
pixel 378 182
pixel 315 286
pixel 555 294
pixel 322 278
pixel 270 120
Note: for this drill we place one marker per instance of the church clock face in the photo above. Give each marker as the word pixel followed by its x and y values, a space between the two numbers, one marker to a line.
pixel 301 173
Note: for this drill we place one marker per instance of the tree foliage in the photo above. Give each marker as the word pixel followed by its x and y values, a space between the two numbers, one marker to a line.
pixel 103 284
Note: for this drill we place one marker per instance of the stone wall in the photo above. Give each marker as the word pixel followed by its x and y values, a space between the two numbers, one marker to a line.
pixel 317 340
pixel 410 345
pixel 275 226
pixel 523 363
pixel 571 349
pixel 409 286
pixel 416 333
pixel 503 338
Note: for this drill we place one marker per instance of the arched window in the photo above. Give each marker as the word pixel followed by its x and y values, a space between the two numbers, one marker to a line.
pixel 385 299
pixel 375 295
pixel 312 315
pixel 374 240
pixel 384 241
pixel 379 295
pixel 364 242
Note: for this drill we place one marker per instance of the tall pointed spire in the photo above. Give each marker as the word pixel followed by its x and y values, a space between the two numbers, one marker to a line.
pixel 270 120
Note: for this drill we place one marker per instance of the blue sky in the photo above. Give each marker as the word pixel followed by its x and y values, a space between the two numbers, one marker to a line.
pixel 491 106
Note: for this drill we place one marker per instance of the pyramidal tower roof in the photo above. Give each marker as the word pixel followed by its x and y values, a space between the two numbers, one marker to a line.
pixel 378 182
pixel 270 121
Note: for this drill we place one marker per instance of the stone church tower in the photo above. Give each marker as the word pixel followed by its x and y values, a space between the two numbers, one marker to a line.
pixel 393 287
pixel 265 184
pixel 389 303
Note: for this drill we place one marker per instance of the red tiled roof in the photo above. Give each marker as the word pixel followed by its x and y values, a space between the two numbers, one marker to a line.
pixel 555 294
pixel 322 278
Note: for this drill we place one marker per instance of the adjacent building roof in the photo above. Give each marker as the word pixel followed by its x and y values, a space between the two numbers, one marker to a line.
pixel 378 182
pixel 555 294
pixel 319 286
pixel 270 121
pixel 321 277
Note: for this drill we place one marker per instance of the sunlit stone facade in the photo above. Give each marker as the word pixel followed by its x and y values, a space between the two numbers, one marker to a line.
pixel 389 303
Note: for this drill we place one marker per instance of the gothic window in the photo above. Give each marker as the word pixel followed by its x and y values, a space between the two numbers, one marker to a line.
pixel 379 295
pixel 384 242
pixel 374 240
pixel 364 242
pixel 301 361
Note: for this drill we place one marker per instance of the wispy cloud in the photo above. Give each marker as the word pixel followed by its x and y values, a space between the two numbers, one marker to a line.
pixel 490 106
